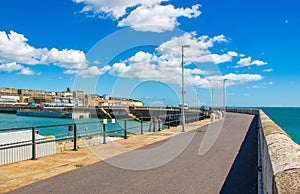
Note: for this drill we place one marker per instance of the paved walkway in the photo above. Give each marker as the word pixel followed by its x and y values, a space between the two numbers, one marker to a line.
pixel 26 172
pixel 227 165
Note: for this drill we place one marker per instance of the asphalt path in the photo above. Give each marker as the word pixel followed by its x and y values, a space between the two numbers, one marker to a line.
pixel 228 166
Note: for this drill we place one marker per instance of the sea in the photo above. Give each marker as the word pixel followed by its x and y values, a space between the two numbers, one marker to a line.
pixel 288 118
pixel 116 129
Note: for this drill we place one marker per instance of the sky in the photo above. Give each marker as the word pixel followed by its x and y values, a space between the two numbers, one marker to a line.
pixel 133 49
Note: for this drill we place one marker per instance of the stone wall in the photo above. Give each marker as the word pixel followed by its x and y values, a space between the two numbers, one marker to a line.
pixel 280 158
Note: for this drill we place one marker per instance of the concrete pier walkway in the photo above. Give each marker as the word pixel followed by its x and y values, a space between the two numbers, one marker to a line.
pixel 229 166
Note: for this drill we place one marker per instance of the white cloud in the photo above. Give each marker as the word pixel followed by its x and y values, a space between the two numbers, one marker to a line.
pixel 157 18
pixel 199 48
pixel 141 15
pixel 246 62
pixel 165 66
pixel 232 79
pixel 232 53
pixel 14 48
pixel 69 59
pixel 242 78
pixel 26 71
pixel 258 87
pixel 90 72
pixel 268 70
pixel 9 67
pixel 258 63
pixel 113 8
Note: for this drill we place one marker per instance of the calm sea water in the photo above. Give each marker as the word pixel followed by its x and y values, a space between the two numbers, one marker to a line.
pixel 288 119
pixel 14 121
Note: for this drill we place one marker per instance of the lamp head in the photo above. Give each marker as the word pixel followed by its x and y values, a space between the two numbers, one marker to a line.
pixel 186 46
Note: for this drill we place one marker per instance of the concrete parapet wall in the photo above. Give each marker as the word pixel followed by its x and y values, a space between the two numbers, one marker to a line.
pixel 280 157
pixel 243 110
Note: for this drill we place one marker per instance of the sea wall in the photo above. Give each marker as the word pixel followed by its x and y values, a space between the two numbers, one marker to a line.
pixel 280 158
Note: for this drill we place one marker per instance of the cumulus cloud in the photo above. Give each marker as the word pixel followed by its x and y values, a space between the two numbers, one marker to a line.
pixel 112 8
pixel 199 48
pixel 246 62
pixel 26 71
pixel 9 67
pixel 69 59
pixel 268 70
pixel 90 72
pixel 14 48
pixel 141 15
pixel 232 79
pixel 157 18
pixel 165 65
pixel 242 77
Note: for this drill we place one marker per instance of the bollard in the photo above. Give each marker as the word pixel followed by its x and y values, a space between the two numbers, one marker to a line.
pixel 33 144
pixel 150 125
pixel 154 123
pixel 158 124
pixel 125 129
pixel 142 130
pixel 75 138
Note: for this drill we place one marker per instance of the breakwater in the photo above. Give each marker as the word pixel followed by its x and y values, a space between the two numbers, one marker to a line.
pixel 279 156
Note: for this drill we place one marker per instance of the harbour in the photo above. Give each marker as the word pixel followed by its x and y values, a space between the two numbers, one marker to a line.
pixel 286 117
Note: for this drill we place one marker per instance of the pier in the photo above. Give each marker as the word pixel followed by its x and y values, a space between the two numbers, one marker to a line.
pixel 247 157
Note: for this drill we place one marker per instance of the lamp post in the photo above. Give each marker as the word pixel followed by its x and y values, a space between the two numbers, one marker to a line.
pixel 224 94
pixel 182 85
pixel 212 97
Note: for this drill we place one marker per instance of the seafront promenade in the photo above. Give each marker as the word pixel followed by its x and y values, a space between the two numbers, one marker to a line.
pixel 230 165
pixel 251 154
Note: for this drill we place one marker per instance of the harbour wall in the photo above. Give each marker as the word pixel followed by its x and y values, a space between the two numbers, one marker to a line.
pixel 279 156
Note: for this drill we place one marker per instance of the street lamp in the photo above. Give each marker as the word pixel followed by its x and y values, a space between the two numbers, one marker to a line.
pixel 182 86
pixel 224 94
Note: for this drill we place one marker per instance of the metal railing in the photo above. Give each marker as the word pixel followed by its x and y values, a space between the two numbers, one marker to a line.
pixel 154 123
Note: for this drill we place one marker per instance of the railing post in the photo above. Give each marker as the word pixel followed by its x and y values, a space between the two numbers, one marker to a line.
pixel 104 133
pixel 33 144
pixel 142 130
pixel 125 129
pixel 75 138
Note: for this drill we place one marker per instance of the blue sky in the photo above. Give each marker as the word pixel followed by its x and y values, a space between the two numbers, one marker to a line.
pixel 133 49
